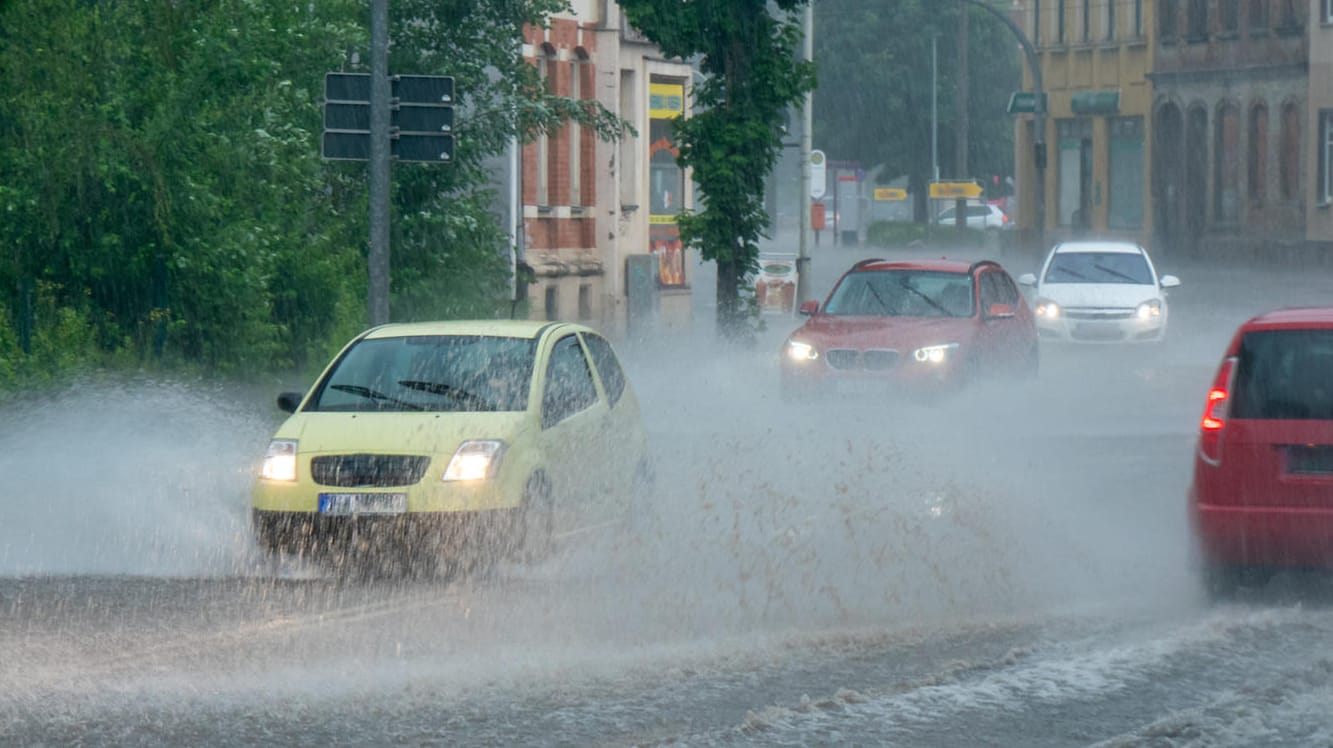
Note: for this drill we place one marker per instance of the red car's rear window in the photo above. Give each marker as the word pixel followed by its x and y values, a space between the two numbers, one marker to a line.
pixel 1285 375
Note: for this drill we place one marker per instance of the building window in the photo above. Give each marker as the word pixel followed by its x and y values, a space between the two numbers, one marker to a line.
pixel 1074 176
pixel 1229 16
pixel 585 302
pixel 1087 20
pixel 1325 157
pixel 1138 19
pixel 1060 22
pixel 1198 20
pixel 1226 171
pixel 552 304
pixel 1110 20
pixel 1291 15
pixel 1257 172
pixel 546 71
pixel 1326 14
pixel 1125 188
pixel 1166 18
pixel 1289 168
pixel 577 65
pixel 1036 22
pixel 1258 16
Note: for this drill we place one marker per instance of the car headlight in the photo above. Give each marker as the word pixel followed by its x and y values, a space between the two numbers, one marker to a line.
pixel 798 351
pixel 280 460
pixel 934 354
pixel 1047 309
pixel 1151 309
pixel 475 459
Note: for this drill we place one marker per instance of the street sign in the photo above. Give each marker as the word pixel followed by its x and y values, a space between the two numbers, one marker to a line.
pixel 946 190
pixel 818 174
pixel 890 193
pixel 1025 102
pixel 421 117
pixel 1095 102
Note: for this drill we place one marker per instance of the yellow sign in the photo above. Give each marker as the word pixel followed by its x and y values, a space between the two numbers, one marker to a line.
pixel 890 193
pixel 666 100
pixel 954 189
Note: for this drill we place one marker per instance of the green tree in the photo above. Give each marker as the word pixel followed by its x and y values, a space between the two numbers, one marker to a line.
pixel 874 100
pixel 749 57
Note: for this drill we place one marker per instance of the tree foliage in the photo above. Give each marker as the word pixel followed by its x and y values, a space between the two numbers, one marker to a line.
pixel 873 104
pixel 163 194
pixel 749 57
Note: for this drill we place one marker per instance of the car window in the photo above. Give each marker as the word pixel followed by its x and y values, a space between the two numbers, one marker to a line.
pixel 902 293
pixel 430 373
pixel 608 366
pixel 1099 267
pixel 1285 375
pixel 981 211
pixel 569 384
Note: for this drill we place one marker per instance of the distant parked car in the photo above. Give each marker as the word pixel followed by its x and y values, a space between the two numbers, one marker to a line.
pixel 910 328
pixel 979 216
pixel 1096 291
pixel 1261 498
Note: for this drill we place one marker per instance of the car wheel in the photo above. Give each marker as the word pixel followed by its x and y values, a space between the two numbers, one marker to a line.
pixel 1222 583
pixel 536 520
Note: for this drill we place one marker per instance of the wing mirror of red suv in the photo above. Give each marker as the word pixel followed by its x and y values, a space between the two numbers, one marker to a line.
pixel 999 311
pixel 809 308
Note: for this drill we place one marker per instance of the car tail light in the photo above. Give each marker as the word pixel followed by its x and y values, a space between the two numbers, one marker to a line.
pixel 1215 413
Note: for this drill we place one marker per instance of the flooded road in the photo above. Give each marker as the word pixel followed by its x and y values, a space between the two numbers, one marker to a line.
pixel 1007 568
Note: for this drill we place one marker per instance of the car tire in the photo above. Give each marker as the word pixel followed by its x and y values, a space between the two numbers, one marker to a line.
pixel 535 527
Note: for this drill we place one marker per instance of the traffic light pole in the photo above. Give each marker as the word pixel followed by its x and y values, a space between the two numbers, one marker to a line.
pixel 379 164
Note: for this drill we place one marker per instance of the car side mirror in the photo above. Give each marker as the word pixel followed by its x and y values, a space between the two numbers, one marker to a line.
pixel 999 311
pixel 287 401
pixel 809 308
pixel 1027 279
pixel 1168 281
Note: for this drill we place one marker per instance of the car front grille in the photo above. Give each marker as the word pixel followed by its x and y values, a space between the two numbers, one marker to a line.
pixel 849 359
pixel 1095 314
pixel 363 470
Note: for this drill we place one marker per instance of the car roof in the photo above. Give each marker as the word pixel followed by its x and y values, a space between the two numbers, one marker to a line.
pixel 508 328
pixel 1098 245
pixel 941 265
pixel 1291 318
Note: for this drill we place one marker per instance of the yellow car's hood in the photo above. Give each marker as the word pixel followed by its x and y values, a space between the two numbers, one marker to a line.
pixel 397 433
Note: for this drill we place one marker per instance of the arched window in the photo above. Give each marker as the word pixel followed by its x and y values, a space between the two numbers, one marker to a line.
pixel 1289 168
pixel 1166 18
pixel 1198 19
pixel 1258 154
pixel 1229 16
pixel 1226 172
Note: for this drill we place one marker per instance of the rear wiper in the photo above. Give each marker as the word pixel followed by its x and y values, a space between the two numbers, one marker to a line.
pixel 448 390
pixel 375 395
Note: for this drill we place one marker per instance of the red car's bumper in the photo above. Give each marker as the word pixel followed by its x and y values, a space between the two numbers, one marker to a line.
pixel 1291 537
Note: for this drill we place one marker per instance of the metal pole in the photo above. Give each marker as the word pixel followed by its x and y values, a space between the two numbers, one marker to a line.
pixel 960 145
pixel 378 261
pixel 807 142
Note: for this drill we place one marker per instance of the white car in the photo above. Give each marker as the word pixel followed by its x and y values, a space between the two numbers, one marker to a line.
pixel 1100 292
pixel 979 216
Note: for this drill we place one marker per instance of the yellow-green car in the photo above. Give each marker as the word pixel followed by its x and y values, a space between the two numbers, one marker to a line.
pixel 455 440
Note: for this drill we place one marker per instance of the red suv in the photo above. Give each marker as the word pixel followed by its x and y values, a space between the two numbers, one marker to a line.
pixel 1262 494
pixel 926 326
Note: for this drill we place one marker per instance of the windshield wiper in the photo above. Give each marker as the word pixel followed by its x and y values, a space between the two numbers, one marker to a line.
pixel 1116 273
pixel 375 395
pixel 449 390
pixel 927 299
pixel 878 298
pixel 1066 271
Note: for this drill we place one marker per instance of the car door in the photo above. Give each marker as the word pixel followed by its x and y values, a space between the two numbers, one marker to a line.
pixel 1002 337
pixel 573 416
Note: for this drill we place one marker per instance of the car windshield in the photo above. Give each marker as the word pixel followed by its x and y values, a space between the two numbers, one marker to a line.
pixel 902 293
pixel 430 373
pixel 1099 267
pixel 1285 375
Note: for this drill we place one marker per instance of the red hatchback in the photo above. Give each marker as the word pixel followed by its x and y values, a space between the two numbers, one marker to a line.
pixel 1262 494
pixel 925 327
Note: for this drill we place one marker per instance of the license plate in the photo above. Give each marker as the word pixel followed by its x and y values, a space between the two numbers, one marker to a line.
pixel 362 503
